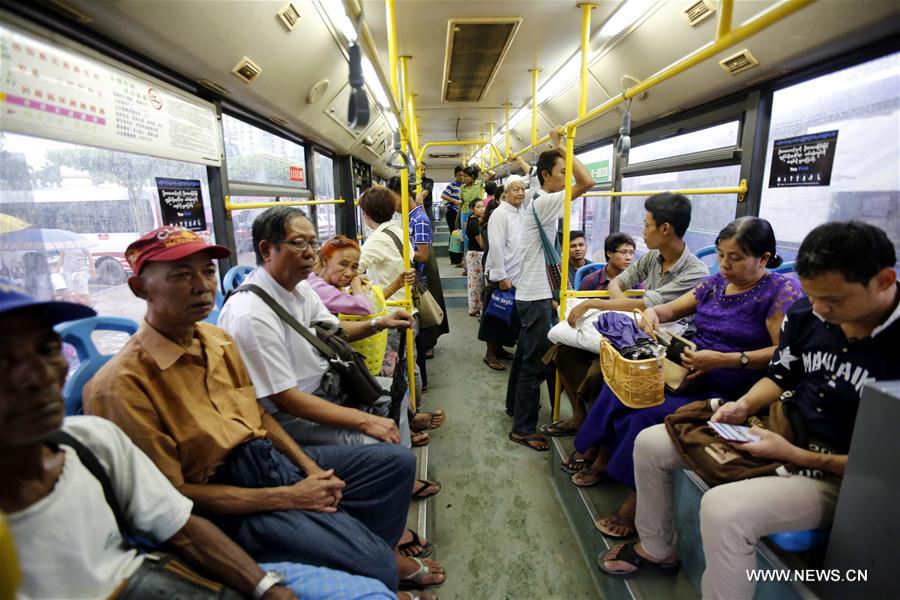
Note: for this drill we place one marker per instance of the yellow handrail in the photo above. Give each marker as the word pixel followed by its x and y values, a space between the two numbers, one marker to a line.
pixel 602 293
pixel 534 110
pixel 230 206
pixel 740 190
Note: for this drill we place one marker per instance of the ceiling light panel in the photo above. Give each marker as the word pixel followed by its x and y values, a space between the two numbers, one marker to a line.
pixel 475 49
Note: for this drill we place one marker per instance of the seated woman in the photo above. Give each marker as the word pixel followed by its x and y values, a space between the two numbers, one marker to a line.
pixel 738 314
pixel 579 370
pixel 338 271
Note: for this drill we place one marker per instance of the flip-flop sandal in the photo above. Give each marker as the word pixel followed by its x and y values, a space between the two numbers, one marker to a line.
pixel 600 476
pixel 627 554
pixel 423 439
pixel 554 430
pixel 616 519
pixel 405 549
pixel 416 595
pixel 572 465
pixel 421 494
pixel 494 364
pixel 531 438
pixel 416 580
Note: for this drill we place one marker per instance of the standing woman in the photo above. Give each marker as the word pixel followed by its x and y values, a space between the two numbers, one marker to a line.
pixel 474 270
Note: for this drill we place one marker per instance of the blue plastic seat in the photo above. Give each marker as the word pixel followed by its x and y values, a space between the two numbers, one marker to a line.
pixel 801 540
pixel 235 277
pixel 787 267
pixel 213 318
pixel 708 251
pixel 584 271
pixel 78 335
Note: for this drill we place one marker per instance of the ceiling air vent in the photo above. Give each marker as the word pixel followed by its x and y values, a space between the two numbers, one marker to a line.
pixel 475 49
pixel 279 121
pixel 289 16
pixel 72 13
pixel 698 12
pixel 246 70
pixel 213 86
pixel 445 155
pixel 738 63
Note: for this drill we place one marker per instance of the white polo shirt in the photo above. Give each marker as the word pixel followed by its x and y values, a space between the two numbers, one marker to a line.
pixel 276 356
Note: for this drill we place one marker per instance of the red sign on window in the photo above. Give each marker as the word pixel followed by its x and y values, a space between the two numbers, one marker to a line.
pixel 296 173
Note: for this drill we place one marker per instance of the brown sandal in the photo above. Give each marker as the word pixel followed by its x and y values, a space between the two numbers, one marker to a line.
pixel 494 363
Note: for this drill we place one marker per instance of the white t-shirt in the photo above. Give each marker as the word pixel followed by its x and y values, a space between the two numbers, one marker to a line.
pixel 380 258
pixel 68 542
pixel 533 283
pixel 276 356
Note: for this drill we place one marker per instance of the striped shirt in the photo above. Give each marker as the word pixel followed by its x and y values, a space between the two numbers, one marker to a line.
pixel 533 283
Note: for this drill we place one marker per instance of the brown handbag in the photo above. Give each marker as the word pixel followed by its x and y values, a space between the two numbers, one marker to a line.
pixel 717 461
pixel 674 373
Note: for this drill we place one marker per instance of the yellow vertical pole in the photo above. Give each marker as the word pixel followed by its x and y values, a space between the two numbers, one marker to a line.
pixel 570 157
pixel 534 105
pixel 506 111
pixel 391 18
pixel 723 26
pixel 491 140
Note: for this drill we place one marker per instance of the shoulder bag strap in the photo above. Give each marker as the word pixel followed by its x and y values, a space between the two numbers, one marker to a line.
pixel 318 344
pixel 397 241
pixel 92 464
pixel 550 255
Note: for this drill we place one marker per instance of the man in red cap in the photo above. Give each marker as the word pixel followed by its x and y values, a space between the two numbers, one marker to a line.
pixel 180 390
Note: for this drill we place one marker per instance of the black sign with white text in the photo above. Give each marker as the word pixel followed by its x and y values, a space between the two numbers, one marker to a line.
pixel 181 203
pixel 804 160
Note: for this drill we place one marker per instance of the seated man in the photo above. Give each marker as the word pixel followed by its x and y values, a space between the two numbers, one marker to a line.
pixel 667 271
pixel 619 251
pixel 67 538
pixel 292 380
pixel 178 388
pixel 845 333
pixel 577 252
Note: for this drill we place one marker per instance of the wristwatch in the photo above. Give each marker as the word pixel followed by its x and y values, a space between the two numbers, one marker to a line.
pixel 745 360
pixel 374 324
pixel 272 578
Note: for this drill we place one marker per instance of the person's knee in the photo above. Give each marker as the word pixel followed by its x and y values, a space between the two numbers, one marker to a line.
pixel 721 514
pixel 400 459
pixel 653 445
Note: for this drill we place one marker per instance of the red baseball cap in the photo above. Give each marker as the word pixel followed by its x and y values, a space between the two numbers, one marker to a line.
pixel 169 243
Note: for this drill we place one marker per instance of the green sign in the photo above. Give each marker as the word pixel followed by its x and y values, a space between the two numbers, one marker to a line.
pixel 600 171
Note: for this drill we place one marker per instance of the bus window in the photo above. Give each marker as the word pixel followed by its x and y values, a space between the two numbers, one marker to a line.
pixel 254 155
pixel 709 214
pixel 325 219
pixel 718 136
pixel 242 221
pixel 595 220
pixel 78 208
pixel 861 103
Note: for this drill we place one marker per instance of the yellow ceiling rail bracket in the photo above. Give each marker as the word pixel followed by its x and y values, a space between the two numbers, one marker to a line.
pixel 723 25
pixel 743 193
pixel 534 104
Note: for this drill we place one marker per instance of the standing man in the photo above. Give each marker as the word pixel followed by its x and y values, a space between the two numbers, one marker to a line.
pixel 577 252
pixel 534 295
pixel 450 196
pixel 428 195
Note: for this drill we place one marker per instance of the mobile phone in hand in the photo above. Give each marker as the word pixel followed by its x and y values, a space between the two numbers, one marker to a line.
pixel 734 433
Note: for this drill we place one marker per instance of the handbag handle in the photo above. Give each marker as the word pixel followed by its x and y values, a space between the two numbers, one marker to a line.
pixel 649 331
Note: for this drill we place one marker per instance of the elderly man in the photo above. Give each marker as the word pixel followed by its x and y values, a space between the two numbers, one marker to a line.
pixel 179 389
pixel 67 537
pixel 845 333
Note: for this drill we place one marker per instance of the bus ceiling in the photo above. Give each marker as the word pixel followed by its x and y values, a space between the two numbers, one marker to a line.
pixel 288 62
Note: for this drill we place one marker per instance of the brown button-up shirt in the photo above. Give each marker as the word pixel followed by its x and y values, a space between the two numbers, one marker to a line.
pixel 186 408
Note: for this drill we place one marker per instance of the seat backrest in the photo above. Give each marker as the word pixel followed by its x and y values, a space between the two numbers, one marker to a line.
pixel 787 267
pixel 709 251
pixel 235 277
pixel 586 270
pixel 78 335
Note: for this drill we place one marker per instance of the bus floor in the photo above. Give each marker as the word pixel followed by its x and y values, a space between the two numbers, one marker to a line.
pixel 499 528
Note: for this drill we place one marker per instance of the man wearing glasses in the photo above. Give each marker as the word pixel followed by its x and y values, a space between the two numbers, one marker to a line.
pixel 291 378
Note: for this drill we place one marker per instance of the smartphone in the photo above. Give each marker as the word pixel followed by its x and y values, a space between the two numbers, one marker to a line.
pixel 734 433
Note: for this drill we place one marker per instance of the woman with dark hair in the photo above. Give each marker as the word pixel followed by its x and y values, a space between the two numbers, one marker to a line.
pixel 474 269
pixel 738 314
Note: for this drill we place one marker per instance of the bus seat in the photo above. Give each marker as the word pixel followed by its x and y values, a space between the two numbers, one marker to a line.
pixel 787 267
pixel 235 277
pixel 213 318
pixel 708 251
pixel 78 335
pixel 585 271
pixel 800 540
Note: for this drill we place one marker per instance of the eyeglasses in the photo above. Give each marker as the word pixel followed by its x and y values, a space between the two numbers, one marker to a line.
pixel 300 245
pixel 625 252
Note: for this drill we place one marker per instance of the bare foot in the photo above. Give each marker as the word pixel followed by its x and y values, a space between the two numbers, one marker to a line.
pixel 419 572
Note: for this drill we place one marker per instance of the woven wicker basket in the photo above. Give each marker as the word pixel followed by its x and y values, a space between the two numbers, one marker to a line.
pixel 373 347
pixel 636 383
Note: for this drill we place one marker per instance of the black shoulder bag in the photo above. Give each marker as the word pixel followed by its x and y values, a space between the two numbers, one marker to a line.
pixel 331 341
pixel 161 575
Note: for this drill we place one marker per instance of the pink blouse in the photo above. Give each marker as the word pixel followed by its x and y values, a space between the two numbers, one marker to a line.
pixel 337 301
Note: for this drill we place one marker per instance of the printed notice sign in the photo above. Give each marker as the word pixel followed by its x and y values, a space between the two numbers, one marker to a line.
pixel 804 160
pixel 51 91
pixel 600 171
pixel 181 203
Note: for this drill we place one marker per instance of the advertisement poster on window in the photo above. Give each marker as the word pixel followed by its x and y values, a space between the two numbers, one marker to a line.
pixel 51 91
pixel 804 160
pixel 181 203
pixel 600 171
